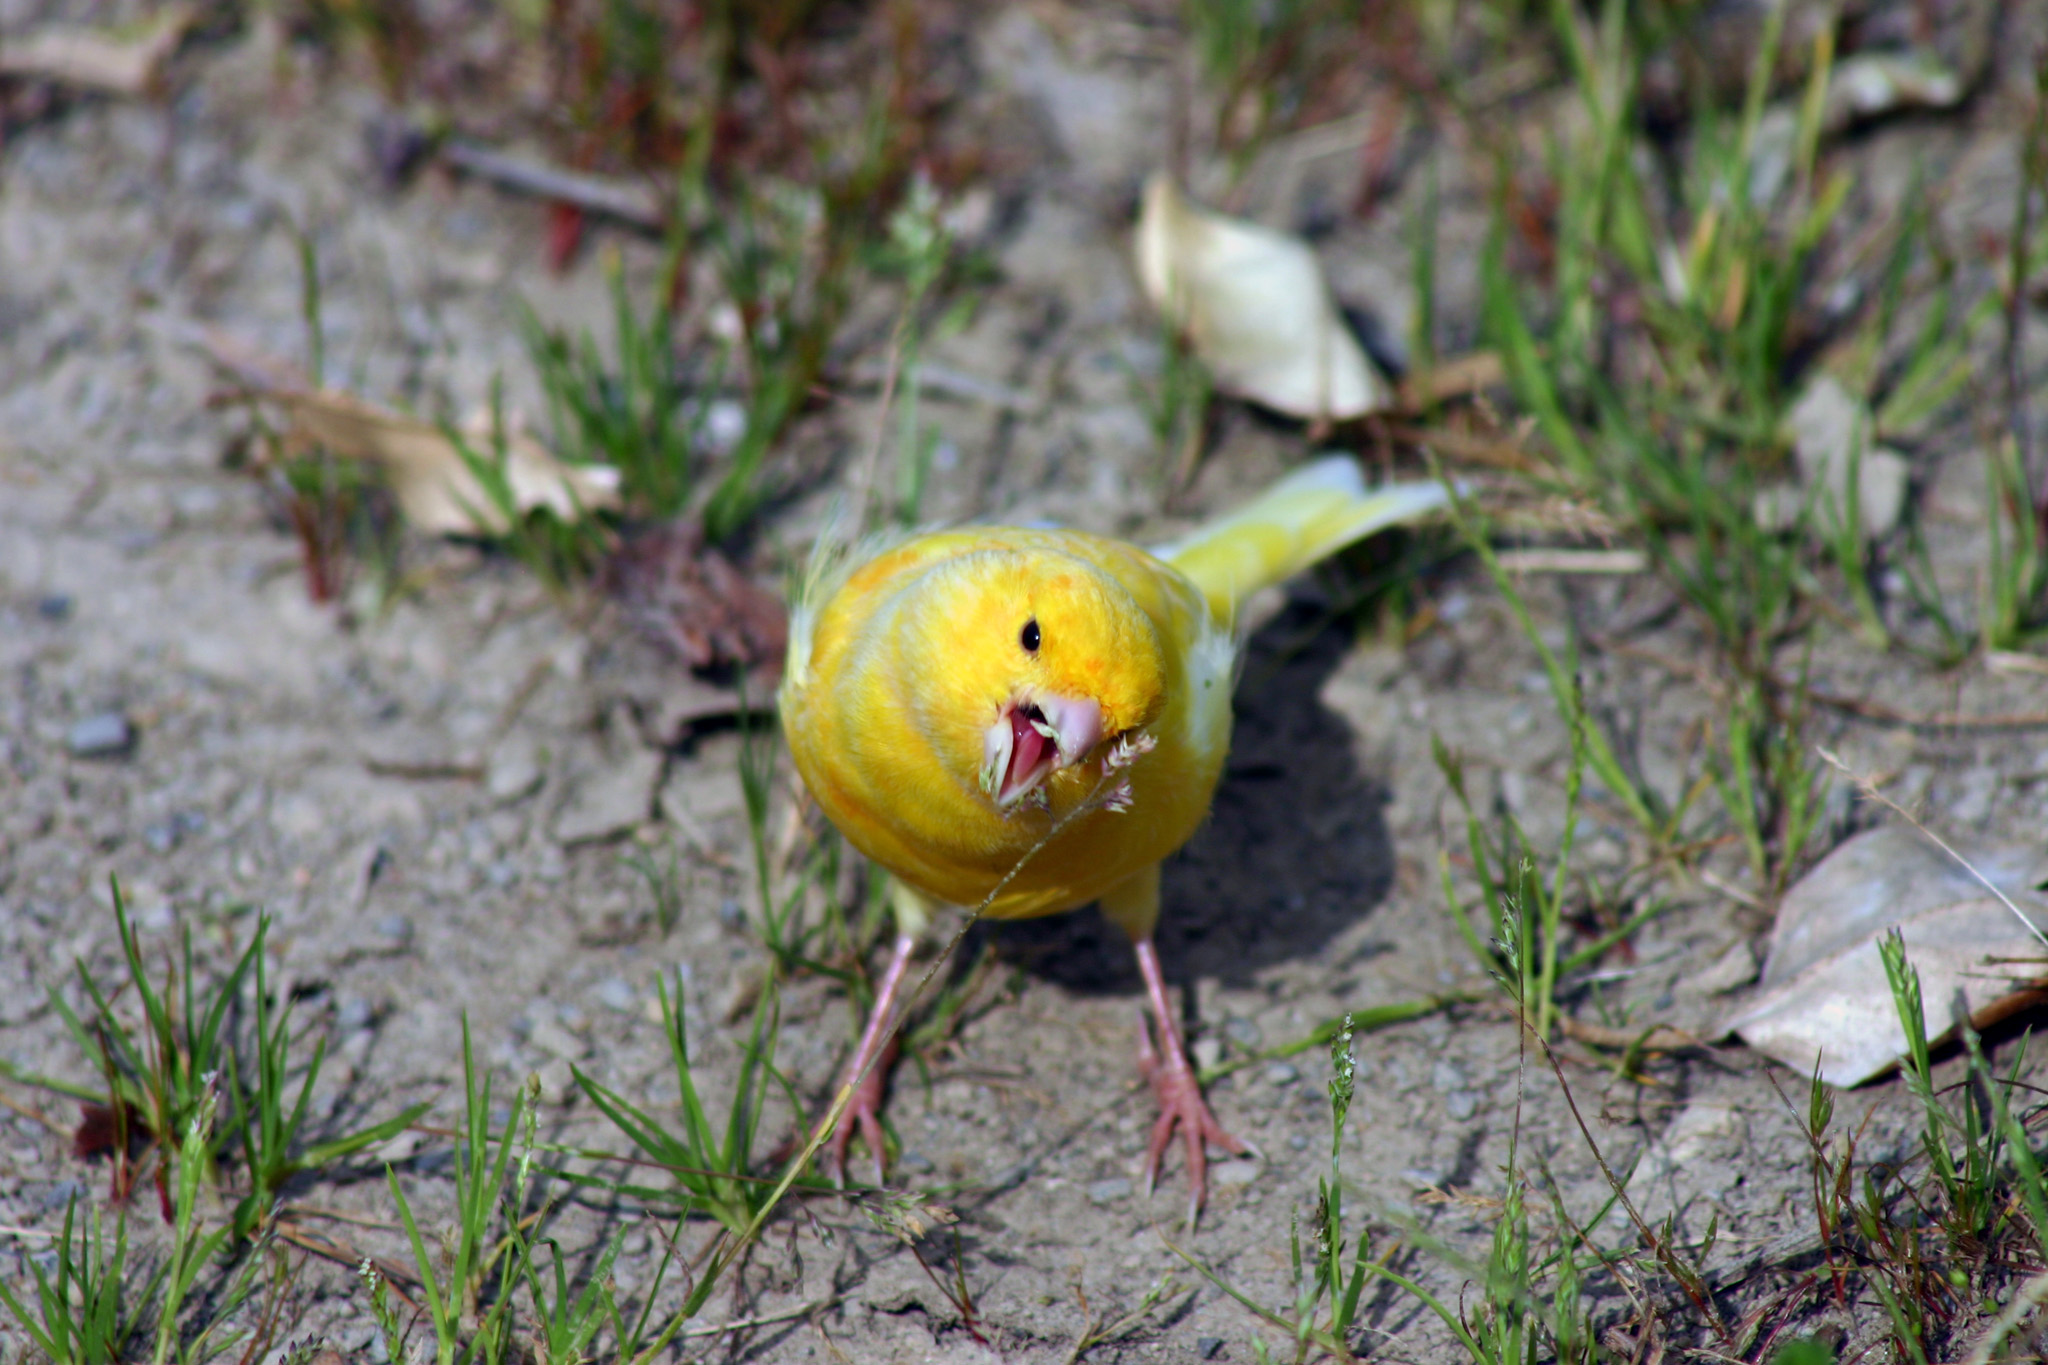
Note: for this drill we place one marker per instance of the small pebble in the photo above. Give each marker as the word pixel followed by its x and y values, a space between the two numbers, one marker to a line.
pixel 1234 1172
pixel 725 422
pixel 1282 1073
pixel 1298 1142
pixel 1207 1052
pixel 1423 1177
pixel 616 993
pixel 64 1191
pixel 107 735
pixel 56 607
pixel 1446 1077
pixel 1244 1033
pixel 1109 1191
pixel 1208 1347
pixel 917 1163
pixel 354 1014
pixel 1461 1104
pixel 395 929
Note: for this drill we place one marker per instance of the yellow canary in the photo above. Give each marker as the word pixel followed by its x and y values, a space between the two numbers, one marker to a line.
pixel 958 699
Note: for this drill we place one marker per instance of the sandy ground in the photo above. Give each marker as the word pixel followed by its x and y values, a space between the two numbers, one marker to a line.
pixel 283 755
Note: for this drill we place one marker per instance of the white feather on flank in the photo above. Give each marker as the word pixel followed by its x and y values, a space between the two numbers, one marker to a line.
pixel 1212 677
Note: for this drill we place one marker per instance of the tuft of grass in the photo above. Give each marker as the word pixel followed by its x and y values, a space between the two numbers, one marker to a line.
pixel 466 1325
pixel 715 1169
pixel 84 1312
pixel 1332 1274
pixel 634 409
pixel 159 1086
pixel 273 1146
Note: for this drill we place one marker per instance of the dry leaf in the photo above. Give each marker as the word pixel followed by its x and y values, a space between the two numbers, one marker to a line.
pixel 120 61
pixel 434 485
pixel 1872 84
pixel 1824 994
pixel 696 603
pixel 1255 306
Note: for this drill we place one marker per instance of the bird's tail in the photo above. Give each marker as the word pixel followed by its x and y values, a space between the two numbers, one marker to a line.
pixel 1313 512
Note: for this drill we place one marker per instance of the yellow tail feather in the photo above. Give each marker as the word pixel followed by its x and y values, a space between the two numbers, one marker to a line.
pixel 1313 512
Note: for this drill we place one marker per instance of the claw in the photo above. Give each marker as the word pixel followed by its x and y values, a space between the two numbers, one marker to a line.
pixel 1181 1106
pixel 865 1115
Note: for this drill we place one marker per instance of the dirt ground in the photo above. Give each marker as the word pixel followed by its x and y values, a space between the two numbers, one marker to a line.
pixel 432 800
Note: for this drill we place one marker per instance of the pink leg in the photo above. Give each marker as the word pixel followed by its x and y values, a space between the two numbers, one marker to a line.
pixel 869 1069
pixel 1173 1085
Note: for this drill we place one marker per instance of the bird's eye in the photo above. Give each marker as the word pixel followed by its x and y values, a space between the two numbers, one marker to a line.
pixel 1029 638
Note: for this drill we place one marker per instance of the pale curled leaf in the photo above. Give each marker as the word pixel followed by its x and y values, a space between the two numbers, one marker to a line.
pixel 1255 306
pixel 118 61
pixel 434 485
pixel 1824 994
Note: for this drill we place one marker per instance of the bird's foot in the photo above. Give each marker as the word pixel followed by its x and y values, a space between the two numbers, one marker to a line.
pixel 1182 1108
pixel 863 1114
pixel 868 1072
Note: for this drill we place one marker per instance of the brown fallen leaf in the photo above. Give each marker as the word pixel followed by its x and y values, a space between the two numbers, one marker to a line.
pixel 102 1131
pixel 124 61
pixel 1824 996
pixel 435 487
pixel 694 602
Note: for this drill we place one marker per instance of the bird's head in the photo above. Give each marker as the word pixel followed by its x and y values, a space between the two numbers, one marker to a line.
pixel 1035 658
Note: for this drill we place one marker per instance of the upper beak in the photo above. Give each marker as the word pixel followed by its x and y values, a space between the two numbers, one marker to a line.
pixel 1034 737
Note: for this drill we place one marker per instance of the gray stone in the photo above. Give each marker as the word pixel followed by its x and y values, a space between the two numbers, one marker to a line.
pixel 616 993
pixel 1446 1077
pixel 514 770
pixel 1109 1191
pixel 1827 426
pixel 1282 1073
pixel 394 929
pixel 1461 1104
pixel 551 1038
pixel 1234 1172
pixel 609 800
pixel 1208 1347
pixel 106 735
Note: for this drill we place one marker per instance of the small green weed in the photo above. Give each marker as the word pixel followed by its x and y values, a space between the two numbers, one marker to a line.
pixel 634 411
pixel 84 1312
pixel 714 1169
pixel 1327 1282
pixel 466 1325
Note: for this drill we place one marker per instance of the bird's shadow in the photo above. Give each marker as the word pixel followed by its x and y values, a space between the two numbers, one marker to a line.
pixel 1294 852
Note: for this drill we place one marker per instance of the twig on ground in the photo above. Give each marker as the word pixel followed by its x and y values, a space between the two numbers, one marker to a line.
pixel 630 203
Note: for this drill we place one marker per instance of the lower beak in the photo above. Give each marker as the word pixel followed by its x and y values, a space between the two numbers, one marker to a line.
pixel 1034 738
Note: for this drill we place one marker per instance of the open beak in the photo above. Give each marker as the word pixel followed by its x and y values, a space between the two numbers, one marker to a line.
pixel 1033 738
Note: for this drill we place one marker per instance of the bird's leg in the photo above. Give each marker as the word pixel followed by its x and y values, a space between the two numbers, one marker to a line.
pixel 868 1072
pixel 1173 1085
